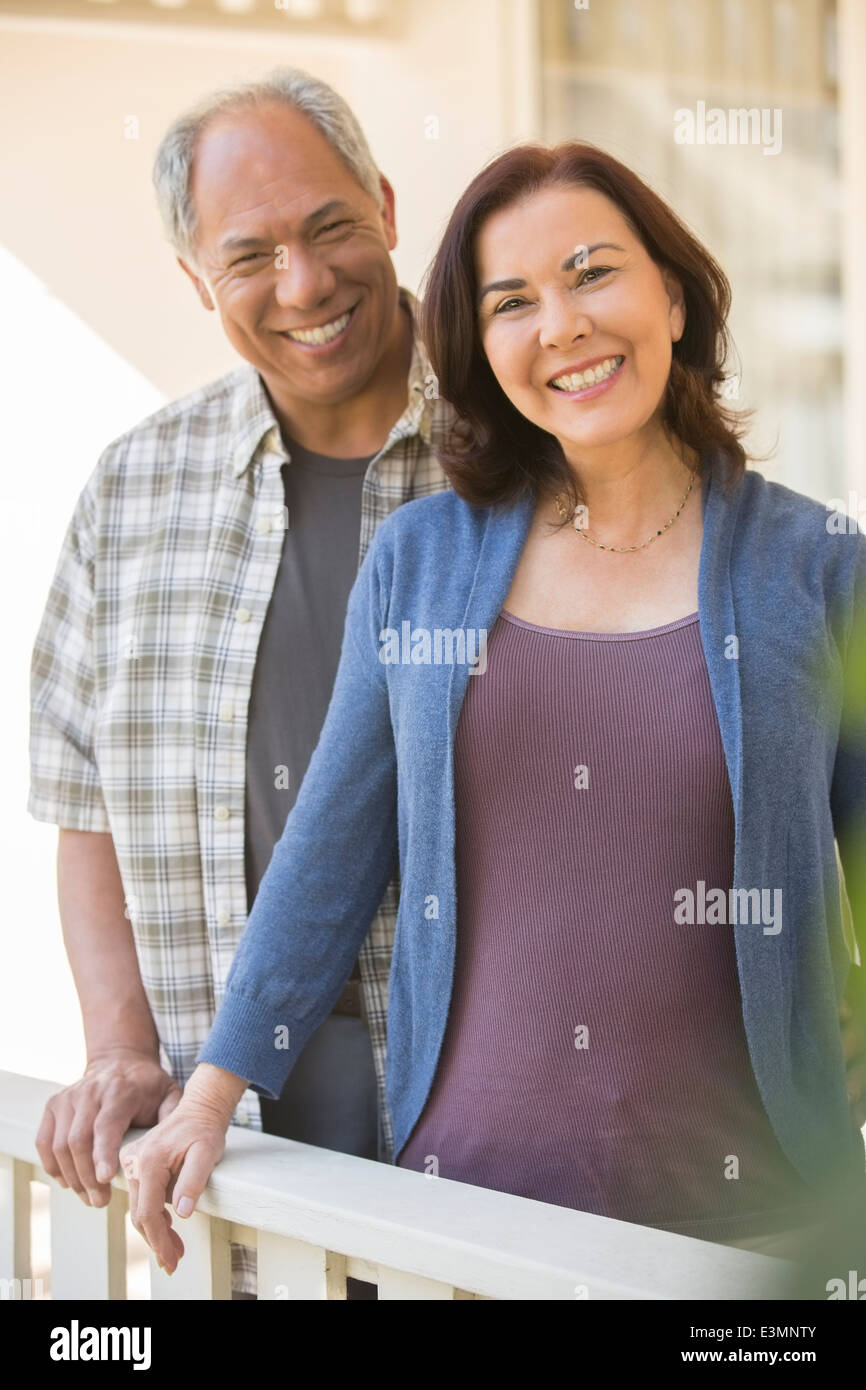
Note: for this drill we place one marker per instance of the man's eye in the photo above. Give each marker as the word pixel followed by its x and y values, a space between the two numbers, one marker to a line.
pixel 330 226
pixel 251 256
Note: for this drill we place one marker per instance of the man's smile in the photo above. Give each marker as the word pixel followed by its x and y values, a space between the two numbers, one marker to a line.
pixel 322 334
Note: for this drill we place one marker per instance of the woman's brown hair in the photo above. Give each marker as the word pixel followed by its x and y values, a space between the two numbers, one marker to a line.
pixel 494 454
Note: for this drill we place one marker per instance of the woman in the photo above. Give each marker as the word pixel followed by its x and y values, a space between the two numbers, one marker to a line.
pixel 620 951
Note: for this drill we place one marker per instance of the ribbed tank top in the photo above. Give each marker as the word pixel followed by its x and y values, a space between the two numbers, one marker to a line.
pixel 595 1053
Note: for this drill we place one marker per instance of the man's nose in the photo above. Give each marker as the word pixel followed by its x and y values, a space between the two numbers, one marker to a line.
pixel 303 280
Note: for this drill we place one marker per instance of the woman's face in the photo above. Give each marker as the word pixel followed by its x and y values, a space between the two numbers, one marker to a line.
pixel 566 288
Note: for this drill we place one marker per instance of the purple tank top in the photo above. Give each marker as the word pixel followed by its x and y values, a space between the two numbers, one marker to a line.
pixel 595 1054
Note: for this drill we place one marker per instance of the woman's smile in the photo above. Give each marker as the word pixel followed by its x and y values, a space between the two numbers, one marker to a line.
pixel 581 383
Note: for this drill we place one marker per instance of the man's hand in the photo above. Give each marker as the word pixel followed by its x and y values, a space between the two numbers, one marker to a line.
pixel 83 1125
pixel 175 1160
pixel 854 1046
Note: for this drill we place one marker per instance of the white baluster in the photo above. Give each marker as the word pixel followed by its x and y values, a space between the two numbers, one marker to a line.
pixel 291 1269
pixel 14 1225
pixel 88 1246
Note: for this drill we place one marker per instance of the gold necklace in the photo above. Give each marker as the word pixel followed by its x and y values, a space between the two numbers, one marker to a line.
pixel 562 509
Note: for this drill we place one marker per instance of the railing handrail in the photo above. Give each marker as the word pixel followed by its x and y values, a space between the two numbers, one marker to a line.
pixel 489 1243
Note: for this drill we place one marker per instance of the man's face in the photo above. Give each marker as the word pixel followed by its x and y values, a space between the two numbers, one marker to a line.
pixel 287 243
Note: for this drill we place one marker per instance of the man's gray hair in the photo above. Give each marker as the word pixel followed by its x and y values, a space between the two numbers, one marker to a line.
pixel 172 169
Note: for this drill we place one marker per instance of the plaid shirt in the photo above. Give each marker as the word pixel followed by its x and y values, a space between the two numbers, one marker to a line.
pixel 142 671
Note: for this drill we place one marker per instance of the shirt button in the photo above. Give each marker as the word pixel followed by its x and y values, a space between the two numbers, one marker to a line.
pixel 243 615
pixel 223 916
pixel 226 712
pixel 221 813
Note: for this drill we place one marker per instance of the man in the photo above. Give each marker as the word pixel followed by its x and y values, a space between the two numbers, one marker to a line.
pixel 185 659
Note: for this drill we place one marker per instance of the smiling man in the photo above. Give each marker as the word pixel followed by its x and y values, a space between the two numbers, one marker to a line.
pixel 185 659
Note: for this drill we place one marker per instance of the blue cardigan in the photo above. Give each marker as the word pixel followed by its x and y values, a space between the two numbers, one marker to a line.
pixel 380 788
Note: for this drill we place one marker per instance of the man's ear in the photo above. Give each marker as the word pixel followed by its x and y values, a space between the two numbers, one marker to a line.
pixel 677 305
pixel 201 288
pixel 388 212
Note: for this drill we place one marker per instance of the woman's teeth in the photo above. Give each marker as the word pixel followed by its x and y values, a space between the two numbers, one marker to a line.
pixel 324 334
pixel 577 381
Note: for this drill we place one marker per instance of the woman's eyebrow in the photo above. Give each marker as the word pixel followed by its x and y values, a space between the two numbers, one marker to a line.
pixel 581 251
pixel 500 285
pixel 566 265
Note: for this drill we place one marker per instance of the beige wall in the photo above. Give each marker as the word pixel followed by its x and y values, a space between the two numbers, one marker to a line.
pixel 82 214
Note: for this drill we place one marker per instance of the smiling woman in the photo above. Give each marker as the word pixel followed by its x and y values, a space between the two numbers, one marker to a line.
pixel 655 712
pixel 568 238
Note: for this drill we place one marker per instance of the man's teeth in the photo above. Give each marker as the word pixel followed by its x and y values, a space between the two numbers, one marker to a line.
pixel 576 381
pixel 323 334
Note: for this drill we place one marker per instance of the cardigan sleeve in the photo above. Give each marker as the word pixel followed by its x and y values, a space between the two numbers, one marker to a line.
pixel 848 789
pixel 328 871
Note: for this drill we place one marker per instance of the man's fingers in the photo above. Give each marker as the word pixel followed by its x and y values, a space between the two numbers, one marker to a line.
pixel 45 1146
pixel 172 1098
pixel 80 1141
pixel 64 1114
pixel 112 1122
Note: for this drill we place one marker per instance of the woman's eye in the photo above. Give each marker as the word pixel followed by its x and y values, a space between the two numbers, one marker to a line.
pixel 505 303
pixel 595 270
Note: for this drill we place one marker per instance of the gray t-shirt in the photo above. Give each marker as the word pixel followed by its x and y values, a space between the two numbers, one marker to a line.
pixel 299 648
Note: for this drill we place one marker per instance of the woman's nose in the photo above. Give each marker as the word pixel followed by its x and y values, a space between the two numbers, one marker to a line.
pixel 562 323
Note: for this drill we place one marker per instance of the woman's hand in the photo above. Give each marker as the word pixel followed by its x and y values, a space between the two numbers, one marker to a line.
pixel 174 1161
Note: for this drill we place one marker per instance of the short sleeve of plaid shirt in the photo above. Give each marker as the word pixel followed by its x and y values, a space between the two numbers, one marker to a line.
pixel 65 785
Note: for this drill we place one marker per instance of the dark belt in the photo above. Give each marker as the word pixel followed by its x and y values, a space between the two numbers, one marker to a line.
pixel 349 1001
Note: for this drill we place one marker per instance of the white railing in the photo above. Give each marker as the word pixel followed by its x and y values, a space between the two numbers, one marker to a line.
pixel 316 1216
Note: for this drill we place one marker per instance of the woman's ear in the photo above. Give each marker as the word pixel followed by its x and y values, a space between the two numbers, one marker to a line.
pixel 677 302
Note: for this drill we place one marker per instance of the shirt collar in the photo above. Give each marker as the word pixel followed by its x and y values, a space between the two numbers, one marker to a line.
pixel 256 431
pixel 418 415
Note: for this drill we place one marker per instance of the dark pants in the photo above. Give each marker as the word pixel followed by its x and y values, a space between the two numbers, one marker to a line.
pixel 330 1100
